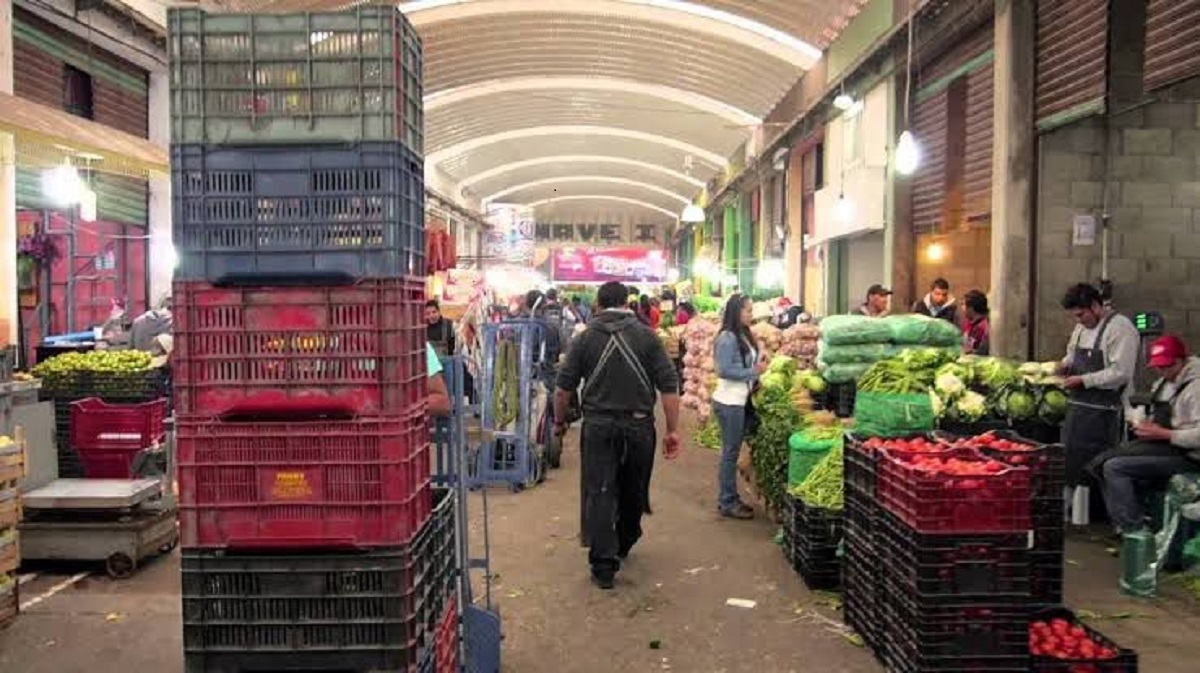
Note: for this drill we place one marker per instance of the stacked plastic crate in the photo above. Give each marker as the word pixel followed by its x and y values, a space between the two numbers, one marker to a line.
pixel 312 538
pixel 12 469
pixel 953 536
pixel 860 567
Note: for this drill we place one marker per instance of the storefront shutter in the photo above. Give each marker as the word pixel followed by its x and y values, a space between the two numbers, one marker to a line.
pixel 977 170
pixel 929 182
pixel 1072 66
pixel 1172 39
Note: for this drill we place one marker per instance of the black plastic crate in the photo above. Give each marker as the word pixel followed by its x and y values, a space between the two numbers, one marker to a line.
pixel 1125 661
pixel 921 627
pixel 298 78
pixel 839 398
pixel 443 563
pixel 955 565
pixel 859 469
pixel 127 387
pixel 350 211
pixel 1046 577
pixel 361 611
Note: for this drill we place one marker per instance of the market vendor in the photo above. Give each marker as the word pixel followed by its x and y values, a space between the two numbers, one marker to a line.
pixel 876 305
pixel 1168 441
pixel 1099 367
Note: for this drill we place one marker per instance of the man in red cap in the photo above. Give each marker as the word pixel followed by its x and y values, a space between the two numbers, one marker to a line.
pixel 1168 439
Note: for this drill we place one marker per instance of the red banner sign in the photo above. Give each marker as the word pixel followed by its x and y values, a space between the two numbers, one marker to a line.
pixel 600 265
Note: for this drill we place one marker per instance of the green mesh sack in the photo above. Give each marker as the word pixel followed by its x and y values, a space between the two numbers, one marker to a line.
pixel 842 330
pixel 857 353
pixel 890 415
pixel 842 373
pixel 805 453
pixel 920 330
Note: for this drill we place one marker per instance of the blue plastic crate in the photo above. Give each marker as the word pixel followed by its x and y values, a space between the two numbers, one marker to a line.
pixel 350 210
pixel 305 77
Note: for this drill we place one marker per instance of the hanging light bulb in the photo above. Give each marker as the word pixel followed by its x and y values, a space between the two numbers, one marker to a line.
pixel 843 102
pixel 87 205
pixel 692 214
pixel 936 252
pixel 63 185
pixel 908 154
pixel 843 210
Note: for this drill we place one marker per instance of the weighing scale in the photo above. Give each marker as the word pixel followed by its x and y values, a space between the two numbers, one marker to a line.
pixel 120 522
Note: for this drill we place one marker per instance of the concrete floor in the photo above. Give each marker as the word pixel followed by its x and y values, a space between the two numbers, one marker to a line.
pixel 672 591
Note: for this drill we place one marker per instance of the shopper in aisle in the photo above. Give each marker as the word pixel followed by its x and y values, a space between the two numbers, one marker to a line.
pixel 439 332
pixel 651 305
pixel 624 368
pixel 938 303
pixel 438 401
pixel 876 305
pixel 684 312
pixel 738 368
pixel 583 311
pixel 976 328
pixel 1099 366
pixel 1168 439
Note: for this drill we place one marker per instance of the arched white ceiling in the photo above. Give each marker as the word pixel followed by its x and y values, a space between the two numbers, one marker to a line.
pixel 467 146
pixel 713 106
pixel 604 197
pixel 693 17
pixel 590 159
pixel 589 179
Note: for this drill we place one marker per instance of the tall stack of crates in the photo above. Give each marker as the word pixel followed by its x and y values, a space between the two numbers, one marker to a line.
pixel 12 469
pixel 861 567
pixel 312 537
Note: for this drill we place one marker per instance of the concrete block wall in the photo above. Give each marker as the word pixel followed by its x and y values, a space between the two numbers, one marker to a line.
pixel 1149 160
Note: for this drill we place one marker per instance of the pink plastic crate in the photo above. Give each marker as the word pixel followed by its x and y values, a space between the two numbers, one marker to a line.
pixel 348 349
pixel 326 484
pixel 945 503
pixel 109 436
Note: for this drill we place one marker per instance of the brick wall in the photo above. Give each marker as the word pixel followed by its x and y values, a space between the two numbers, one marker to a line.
pixel 1152 170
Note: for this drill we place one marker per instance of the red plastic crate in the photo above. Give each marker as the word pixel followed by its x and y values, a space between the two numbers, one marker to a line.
pixel 109 436
pixel 325 484
pixel 446 645
pixel 348 349
pixel 942 503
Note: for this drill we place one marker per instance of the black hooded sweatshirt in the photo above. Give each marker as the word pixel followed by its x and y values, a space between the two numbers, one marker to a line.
pixel 622 364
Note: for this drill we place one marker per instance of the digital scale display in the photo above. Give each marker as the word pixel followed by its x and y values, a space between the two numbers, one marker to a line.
pixel 1149 323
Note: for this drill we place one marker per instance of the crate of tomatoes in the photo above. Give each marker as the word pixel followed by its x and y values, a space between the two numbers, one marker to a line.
pixel 1060 643
pixel 954 490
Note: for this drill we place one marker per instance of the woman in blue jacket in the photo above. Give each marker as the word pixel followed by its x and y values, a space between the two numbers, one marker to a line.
pixel 738 368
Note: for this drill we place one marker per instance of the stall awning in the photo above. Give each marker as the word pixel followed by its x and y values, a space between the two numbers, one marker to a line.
pixel 47 137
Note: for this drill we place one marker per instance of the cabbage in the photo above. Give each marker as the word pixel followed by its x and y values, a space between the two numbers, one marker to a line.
pixel 782 364
pixel 948 385
pixel 807 379
pixel 924 358
pixel 1019 405
pixel 996 374
pixel 776 380
pixel 1053 407
pixel 971 406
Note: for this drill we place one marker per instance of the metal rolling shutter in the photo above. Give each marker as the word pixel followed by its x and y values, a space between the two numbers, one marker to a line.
pixel 1172 42
pixel 929 182
pixel 977 172
pixel 1072 60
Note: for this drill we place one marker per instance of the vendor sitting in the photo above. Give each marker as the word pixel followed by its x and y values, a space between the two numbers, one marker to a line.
pixel 1168 443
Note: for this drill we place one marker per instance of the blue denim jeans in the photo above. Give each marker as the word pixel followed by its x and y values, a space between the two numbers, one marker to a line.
pixel 1124 475
pixel 733 430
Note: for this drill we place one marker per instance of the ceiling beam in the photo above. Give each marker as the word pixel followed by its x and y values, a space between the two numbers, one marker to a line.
pixel 579 159
pixel 604 197
pixel 605 179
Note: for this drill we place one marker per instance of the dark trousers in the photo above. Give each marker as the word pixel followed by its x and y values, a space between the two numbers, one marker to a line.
pixel 618 454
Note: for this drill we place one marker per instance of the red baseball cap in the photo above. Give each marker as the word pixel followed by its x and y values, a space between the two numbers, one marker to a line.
pixel 1166 351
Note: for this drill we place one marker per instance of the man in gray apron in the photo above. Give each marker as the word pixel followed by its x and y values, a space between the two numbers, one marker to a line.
pixel 1100 364
pixel 1168 443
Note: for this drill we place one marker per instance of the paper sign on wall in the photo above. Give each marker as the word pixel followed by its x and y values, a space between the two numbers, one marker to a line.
pixel 1083 230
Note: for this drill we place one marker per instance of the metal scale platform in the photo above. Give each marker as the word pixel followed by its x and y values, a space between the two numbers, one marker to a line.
pixel 120 522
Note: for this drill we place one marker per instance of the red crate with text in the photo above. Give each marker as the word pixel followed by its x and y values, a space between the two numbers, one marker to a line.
pixel 303 485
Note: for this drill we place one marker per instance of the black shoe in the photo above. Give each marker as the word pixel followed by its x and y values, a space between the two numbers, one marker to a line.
pixel 605 579
pixel 739 511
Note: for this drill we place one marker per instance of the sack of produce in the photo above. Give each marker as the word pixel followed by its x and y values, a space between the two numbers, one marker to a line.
pixel 856 353
pixel 808 448
pixel 840 330
pixel 842 373
pixel 893 414
pixel 920 330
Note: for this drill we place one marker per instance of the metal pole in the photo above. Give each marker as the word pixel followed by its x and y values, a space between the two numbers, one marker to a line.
pixel 70 300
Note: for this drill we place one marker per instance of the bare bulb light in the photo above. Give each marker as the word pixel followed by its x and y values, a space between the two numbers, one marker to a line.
pixel 843 210
pixel 692 214
pixel 908 154
pixel 936 252
pixel 843 102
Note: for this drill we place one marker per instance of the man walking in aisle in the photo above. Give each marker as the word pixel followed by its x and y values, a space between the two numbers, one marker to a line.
pixel 624 368
pixel 439 332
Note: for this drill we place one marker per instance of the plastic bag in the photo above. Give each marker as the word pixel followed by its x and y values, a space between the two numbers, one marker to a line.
pixel 890 415
pixel 805 453
pixel 857 353
pixel 919 330
pixel 841 330
pixel 842 373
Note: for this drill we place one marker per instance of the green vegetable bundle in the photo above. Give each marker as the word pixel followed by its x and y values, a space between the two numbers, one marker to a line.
pixel 709 436
pixel 825 485
pixel 920 330
pixel 769 447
